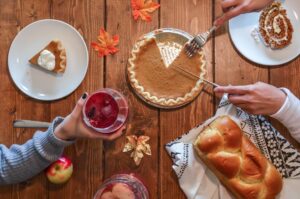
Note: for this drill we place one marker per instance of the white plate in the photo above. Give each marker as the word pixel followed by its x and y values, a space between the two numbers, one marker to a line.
pixel 240 29
pixel 38 83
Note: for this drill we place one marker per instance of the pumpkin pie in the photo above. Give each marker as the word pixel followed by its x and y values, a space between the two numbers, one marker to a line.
pixel 161 85
pixel 275 27
pixel 52 57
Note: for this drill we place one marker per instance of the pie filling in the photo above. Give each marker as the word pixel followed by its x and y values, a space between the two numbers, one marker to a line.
pixel 52 57
pixel 161 84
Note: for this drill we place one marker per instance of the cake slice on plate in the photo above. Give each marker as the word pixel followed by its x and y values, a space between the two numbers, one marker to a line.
pixel 52 57
pixel 275 27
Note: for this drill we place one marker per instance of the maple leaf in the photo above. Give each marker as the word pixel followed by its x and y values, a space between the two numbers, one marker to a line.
pixel 138 146
pixel 142 8
pixel 106 43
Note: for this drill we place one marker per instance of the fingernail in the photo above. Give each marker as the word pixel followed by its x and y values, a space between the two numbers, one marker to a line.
pixel 84 96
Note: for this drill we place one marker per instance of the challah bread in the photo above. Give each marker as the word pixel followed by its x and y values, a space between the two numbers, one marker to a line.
pixel 236 161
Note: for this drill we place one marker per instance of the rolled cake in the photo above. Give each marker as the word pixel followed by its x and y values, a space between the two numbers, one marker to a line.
pixel 275 27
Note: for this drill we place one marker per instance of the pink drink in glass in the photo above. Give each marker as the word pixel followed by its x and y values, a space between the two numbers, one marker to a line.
pixel 105 111
pixel 122 186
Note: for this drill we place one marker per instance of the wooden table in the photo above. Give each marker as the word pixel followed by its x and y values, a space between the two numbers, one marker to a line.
pixel 95 160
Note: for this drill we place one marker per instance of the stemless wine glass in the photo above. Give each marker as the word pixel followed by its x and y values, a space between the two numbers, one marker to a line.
pixel 136 186
pixel 122 110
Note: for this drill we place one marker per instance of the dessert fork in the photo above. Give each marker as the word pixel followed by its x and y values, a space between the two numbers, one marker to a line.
pixel 198 42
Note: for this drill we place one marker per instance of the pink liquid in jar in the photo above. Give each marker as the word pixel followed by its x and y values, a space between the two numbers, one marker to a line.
pixel 102 110
pixel 105 110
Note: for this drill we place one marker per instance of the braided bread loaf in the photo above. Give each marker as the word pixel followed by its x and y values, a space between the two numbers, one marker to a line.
pixel 236 161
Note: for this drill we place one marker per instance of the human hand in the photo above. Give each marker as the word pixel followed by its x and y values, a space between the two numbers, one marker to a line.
pixel 233 8
pixel 73 126
pixel 258 98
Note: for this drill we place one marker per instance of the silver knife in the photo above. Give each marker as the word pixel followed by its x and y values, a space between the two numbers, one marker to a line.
pixel 30 124
pixel 191 74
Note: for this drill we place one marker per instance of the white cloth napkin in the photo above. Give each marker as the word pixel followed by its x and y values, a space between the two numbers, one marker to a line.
pixel 198 182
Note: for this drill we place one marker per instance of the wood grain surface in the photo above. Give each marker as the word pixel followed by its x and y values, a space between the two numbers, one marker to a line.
pixel 9 25
pixel 93 160
pixel 142 118
pixel 184 15
pixel 28 12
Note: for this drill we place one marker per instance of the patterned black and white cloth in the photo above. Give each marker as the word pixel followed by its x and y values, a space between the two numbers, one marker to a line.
pixel 197 182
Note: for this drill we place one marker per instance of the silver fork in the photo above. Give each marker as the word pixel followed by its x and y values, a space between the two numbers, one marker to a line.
pixel 198 42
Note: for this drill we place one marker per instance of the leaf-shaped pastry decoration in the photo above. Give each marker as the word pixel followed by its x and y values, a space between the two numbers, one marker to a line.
pixel 138 146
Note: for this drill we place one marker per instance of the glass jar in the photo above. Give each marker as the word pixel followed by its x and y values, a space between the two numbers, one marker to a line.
pixel 105 111
pixel 122 186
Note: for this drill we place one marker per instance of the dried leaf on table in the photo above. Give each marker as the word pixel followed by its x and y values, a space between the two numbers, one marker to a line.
pixel 131 145
pixel 142 8
pixel 138 146
pixel 106 43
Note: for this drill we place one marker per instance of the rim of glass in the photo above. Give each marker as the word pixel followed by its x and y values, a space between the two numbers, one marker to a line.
pixel 125 179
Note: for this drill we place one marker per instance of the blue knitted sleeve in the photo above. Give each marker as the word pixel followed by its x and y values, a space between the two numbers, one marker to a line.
pixel 21 162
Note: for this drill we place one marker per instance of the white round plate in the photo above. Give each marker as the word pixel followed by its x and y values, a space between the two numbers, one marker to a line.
pixel 37 82
pixel 240 29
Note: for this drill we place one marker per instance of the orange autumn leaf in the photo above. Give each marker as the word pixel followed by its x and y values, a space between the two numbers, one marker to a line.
pixel 142 8
pixel 106 43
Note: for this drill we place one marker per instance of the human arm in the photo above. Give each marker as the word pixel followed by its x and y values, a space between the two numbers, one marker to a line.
pixel 258 98
pixel 21 162
pixel 73 126
pixel 265 99
pixel 233 8
pixel 289 114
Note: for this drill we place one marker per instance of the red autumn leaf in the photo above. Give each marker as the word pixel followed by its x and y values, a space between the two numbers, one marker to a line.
pixel 142 8
pixel 106 43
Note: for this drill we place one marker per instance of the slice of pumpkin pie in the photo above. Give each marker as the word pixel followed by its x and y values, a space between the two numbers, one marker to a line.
pixel 52 57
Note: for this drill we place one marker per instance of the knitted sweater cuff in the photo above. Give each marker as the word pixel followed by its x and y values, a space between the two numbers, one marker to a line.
pixel 48 145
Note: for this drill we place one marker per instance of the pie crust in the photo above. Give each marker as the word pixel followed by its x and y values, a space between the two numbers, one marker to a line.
pixel 160 85
pixel 59 52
